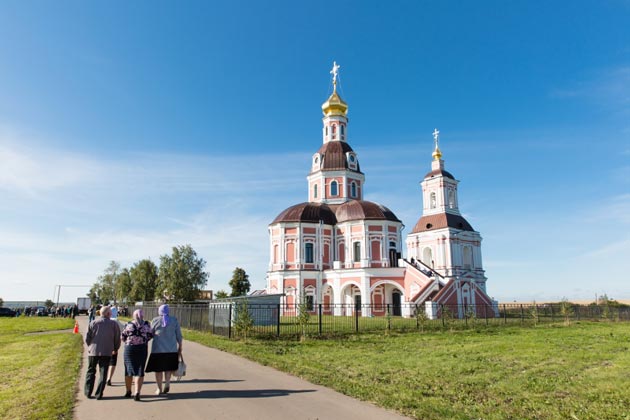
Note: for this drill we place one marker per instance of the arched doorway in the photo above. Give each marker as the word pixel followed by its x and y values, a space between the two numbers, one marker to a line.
pixel 396 300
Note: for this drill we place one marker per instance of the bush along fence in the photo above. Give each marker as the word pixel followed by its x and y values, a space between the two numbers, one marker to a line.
pixel 244 319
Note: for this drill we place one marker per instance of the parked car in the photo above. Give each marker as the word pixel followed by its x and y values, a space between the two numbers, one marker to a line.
pixel 7 312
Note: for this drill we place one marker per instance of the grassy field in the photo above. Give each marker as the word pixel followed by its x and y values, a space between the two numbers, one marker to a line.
pixel 581 371
pixel 38 371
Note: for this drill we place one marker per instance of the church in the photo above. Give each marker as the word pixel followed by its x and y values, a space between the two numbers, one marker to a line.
pixel 345 253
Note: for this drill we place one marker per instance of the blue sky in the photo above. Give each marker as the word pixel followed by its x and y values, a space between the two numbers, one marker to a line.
pixel 127 128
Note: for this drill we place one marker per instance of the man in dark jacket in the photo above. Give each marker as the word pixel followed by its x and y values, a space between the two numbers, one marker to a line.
pixel 103 339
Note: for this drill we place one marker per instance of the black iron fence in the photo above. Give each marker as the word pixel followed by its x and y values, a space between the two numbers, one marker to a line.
pixel 281 320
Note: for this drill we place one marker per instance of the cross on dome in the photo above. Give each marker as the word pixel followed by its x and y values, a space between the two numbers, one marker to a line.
pixel 335 72
pixel 437 154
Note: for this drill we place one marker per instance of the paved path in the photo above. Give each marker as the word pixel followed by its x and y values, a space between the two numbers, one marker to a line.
pixel 219 385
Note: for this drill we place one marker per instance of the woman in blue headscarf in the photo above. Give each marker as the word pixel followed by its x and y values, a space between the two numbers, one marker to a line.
pixel 166 348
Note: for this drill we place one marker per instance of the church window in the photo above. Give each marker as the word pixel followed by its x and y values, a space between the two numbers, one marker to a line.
pixel 334 188
pixel 326 130
pixel 427 257
pixel 451 199
pixel 343 132
pixel 310 302
pixel 433 200
pixel 334 131
pixel 467 257
pixel 308 253
pixel 357 251
pixel 353 189
pixel 315 191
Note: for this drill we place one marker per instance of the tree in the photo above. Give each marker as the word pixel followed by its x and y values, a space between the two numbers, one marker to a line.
pixel 239 283
pixel 243 321
pixel 144 277
pixel 181 276
pixel 221 294
pixel 49 303
pixel 104 290
pixel 123 286
pixel 1 302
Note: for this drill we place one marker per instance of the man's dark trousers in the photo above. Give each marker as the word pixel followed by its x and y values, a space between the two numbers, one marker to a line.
pixel 90 376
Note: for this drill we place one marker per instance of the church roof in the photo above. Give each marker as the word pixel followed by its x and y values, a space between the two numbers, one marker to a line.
pixel 364 210
pixel 437 172
pixel 333 155
pixel 441 221
pixel 307 212
pixel 335 213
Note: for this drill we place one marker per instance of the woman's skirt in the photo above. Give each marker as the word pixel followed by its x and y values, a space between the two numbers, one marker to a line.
pixel 162 362
pixel 135 358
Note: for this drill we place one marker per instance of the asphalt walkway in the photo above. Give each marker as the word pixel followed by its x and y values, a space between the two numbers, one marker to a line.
pixel 219 385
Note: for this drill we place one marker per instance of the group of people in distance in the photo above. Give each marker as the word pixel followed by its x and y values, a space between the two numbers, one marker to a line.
pixel 104 338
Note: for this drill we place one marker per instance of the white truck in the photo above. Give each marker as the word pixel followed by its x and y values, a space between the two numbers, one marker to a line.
pixel 83 304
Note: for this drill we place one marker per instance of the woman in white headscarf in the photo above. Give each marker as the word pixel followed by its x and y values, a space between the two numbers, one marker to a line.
pixel 166 348
pixel 136 336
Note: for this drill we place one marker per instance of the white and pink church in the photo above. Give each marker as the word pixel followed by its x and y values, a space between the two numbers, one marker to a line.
pixel 345 252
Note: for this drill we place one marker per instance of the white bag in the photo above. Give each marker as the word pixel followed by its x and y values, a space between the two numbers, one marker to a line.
pixel 181 369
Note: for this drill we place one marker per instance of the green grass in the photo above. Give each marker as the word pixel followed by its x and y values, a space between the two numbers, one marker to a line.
pixel 548 372
pixel 39 371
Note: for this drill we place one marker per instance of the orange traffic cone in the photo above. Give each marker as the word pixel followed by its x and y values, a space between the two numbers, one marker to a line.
pixel 76 327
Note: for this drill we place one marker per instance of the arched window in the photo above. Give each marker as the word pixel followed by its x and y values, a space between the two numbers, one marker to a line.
pixel 343 132
pixel 326 130
pixel 427 256
pixel 357 252
pixel 315 191
pixel 334 131
pixel 468 261
pixel 451 199
pixel 308 253
pixel 433 200
pixel 353 188
pixel 334 189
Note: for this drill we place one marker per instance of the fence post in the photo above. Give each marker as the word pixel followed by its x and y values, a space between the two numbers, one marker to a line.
pixel 504 314
pixel 278 321
pixel 552 317
pixel 522 314
pixel 214 317
pixel 356 318
pixel 230 322
pixel 417 320
pixel 320 318
pixel 485 313
pixel 442 314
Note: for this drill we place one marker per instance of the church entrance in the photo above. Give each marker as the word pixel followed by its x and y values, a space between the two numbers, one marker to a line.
pixel 396 303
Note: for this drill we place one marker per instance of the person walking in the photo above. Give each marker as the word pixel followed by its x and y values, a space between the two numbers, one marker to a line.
pixel 166 348
pixel 91 314
pixel 136 336
pixel 103 340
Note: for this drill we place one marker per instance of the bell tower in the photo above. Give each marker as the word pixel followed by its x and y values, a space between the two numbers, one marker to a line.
pixel 335 176
pixel 442 238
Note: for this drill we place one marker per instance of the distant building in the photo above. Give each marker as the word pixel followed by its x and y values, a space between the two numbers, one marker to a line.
pixel 342 251
pixel 205 295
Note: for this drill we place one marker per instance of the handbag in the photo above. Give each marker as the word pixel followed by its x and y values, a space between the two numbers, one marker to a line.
pixel 181 368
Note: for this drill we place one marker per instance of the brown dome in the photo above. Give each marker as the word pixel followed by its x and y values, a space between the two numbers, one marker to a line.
pixel 440 221
pixel 364 210
pixel 437 172
pixel 333 155
pixel 307 212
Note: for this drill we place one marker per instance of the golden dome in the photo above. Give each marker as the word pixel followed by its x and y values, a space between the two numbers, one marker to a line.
pixel 437 154
pixel 334 105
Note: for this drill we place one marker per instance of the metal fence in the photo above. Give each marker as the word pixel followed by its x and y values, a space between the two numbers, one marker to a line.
pixel 283 320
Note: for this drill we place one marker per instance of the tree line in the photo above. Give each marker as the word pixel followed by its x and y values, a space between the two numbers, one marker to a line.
pixel 180 277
